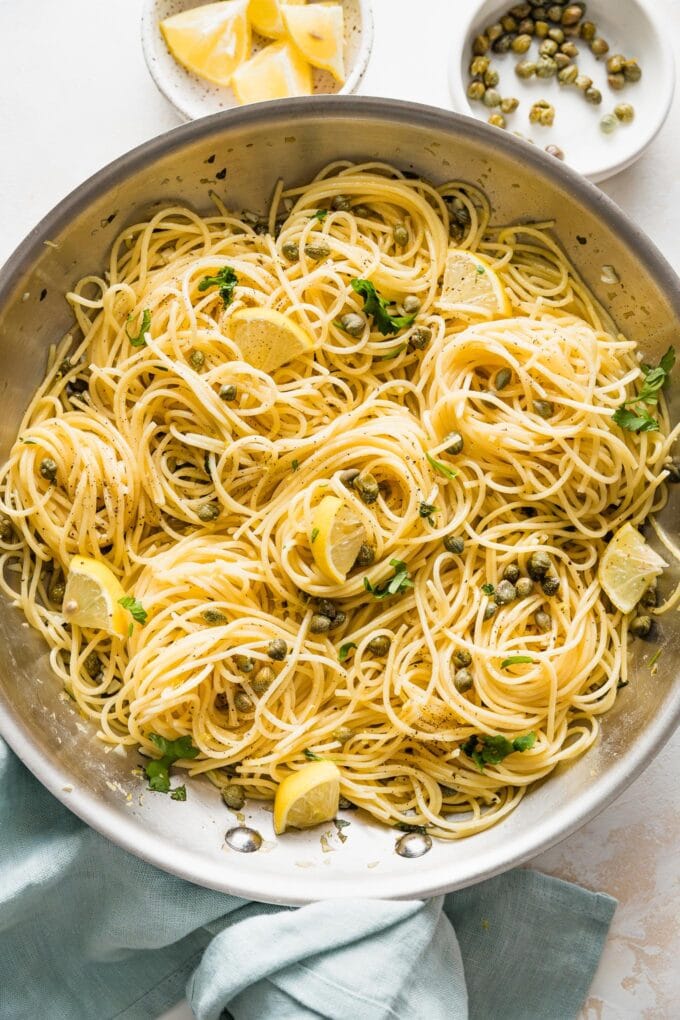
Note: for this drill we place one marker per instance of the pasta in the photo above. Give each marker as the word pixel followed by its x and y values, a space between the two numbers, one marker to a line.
pixel 143 443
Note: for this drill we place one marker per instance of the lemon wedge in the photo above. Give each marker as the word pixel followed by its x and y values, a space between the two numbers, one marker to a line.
pixel 318 32
pixel 91 597
pixel 628 567
pixel 471 287
pixel 265 17
pixel 211 40
pixel 276 72
pixel 337 535
pixel 307 797
pixel 266 338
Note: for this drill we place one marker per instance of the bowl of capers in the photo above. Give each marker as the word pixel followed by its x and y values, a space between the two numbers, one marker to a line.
pixel 591 84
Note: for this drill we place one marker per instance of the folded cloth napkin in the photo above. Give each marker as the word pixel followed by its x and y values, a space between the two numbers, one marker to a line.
pixel 88 932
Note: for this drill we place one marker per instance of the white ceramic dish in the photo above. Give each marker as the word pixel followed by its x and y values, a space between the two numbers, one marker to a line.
pixel 632 27
pixel 195 97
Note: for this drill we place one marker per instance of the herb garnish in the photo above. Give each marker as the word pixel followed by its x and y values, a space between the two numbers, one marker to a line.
pixel 441 468
pixel 408 827
pixel 172 750
pixel 516 660
pixel 491 750
pixel 294 464
pixel 134 608
pixel 319 215
pixel 179 793
pixel 396 585
pixel 226 279
pixel 311 756
pixel 376 306
pixel 395 353
pixel 488 589
pixel 140 339
pixel 345 650
pixel 426 510
pixel 639 419
pixel 315 534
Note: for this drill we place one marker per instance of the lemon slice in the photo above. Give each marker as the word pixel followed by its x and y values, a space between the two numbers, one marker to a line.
pixel 307 797
pixel 91 597
pixel 628 567
pixel 337 536
pixel 211 40
pixel 266 338
pixel 276 72
pixel 265 17
pixel 471 287
pixel 318 32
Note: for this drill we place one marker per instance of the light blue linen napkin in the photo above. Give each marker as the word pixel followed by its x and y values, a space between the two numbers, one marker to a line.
pixel 88 932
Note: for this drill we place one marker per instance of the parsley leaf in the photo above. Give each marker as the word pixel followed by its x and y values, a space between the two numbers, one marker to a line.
pixel 140 339
pixel 179 793
pixel 632 422
pixel 656 377
pixel 440 467
pixel 408 827
pixel 488 589
pixel 311 756
pixel 171 750
pixel 394 354
pixel 427 509
pixel 346 649
pixel 491 750
pixel 314 535
pixel 134 608
pixel 226 279
pixel 514 660
pixel 294 464
pixel 376 306
pixel 396 585
pixel 524 743
pixel 319 215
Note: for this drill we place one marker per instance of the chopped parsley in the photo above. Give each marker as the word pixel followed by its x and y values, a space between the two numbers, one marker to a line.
pixel 319 215
pixel 179 793
pixel 134 608
pixel 440 467
pixel 427 509
pixel 171 750
pixel 311 756
pixel 408 827
pixel 491 750
pixel 656 376
pixel 376 307
pixel 395 353
pixel 140 339
pixel 488 589
pixel 398 584
pixel 515 660
pixel 226 279
pixel 642 421
pixel 295 464
pixel 345 649
pixel 315 534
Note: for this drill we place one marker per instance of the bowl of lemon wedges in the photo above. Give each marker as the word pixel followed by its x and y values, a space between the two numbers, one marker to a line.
pixel 207 57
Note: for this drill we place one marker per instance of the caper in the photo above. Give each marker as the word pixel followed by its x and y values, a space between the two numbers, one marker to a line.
pixel 550 584
pixel 557 35
pixel 214 617
pixel 554 13
pixel 454 544
pixel 379 645
pixel 562 61
pixel 489 610
pixel 317 250
pixel 478 66
pixel 599 47
pixel 455 443
pixel 411 304
pixel 568 75
pixel 419 338
pixel 505 593
pixel 544 408
pixel 593 95
pixel 197 360
pixel 362 211
pixel 503 44
pixel 641 626
pixel 608 124
pixel 543 113
pixel 228 392
pixel 546 68
pixel 233 796
pixel 476 90
pixel 616 82
pixel 56 588
pixel 632 70
pixel 491 78
pixel 554 150
pixel 291 250
pixel 462 680
pixel 583 82
pixel 525 69
pixel 569 49
pixel 673 469
pixel 521 43
pixel 243 702
pixel 494 32
pixel 526 27
pixel 263 680
pixel 462 657
pixel 326 608
pixel 541 29
pixel 624 112
pixel 367 488
pixel 502 378
pixel 508 23
pixel 400 235
pixel 343 734
pixel 480 45
pixel 525 587
pixel 548 48
pixel 209 512
pixel 492 97
pixel 338 619
pixel 341 203
pixel 243 663
pixel 572 15
pixel 48 469
pixel 615 63
pixel 353 323
pixel 277 649
pixel 6 529
pixel 319 624
pixel 588 30
pixel 93 665
pixel 365 556
pixel 543 621
pixel 538 565
pixel 520 10
pixel 511 573
pixel 509 104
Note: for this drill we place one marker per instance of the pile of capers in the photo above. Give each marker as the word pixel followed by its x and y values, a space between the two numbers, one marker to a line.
pixel 554 26
pixel 513 585
pixel 326 616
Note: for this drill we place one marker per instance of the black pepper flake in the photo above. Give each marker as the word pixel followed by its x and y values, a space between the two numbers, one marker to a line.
pixel 221 174
pixel 581 240
pixel 210 159
pixel 43 293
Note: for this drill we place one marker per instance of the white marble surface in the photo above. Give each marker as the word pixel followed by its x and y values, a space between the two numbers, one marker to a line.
pixel 74 93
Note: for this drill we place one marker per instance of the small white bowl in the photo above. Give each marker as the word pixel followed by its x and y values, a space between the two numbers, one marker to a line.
pixel 195 97
pixel 632 27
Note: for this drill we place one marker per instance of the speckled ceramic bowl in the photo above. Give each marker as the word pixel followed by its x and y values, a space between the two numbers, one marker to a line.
pixel 195 97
